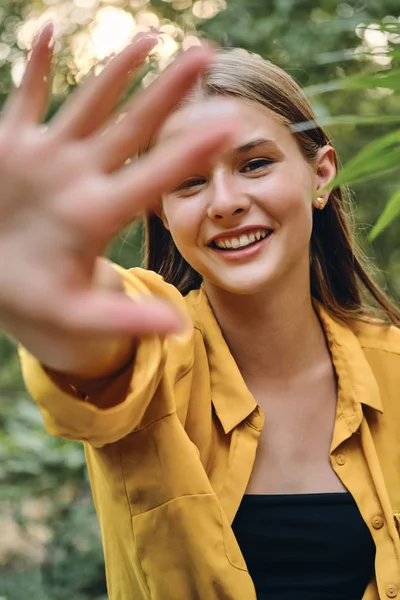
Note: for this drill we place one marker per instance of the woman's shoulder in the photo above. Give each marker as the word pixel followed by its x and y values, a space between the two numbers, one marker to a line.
pixel 139 283
pixel 146 280
pixel 366 346
pixel 380 344
pixel 375 335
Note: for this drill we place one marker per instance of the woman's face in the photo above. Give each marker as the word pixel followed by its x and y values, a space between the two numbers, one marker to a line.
pixel 244 223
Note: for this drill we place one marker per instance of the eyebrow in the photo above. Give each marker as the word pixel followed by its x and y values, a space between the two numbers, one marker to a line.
pixel 256 143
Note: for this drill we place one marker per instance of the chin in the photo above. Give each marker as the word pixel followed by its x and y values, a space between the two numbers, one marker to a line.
pixel 243 286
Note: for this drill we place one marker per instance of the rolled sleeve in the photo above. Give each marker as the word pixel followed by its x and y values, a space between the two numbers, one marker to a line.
pixel 110 407
pixel 68 413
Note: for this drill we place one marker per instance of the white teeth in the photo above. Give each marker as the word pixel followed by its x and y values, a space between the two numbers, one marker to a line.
pixel 242 241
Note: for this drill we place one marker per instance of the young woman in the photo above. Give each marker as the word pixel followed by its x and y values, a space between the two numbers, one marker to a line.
pixel 254 452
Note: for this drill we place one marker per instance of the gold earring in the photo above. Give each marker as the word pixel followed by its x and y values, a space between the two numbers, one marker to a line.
pixel 320 203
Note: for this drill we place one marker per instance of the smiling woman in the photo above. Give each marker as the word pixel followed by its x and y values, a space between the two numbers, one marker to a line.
pixel 197 494
pixel 263 184
pixel 256 92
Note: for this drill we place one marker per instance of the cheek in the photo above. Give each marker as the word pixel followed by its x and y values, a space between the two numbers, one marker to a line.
pixel 183 217
pixel 298 195
pixel 298 217
pixel 288 200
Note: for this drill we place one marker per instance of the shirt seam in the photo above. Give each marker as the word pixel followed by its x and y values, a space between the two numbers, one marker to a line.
pixel 185 373
pixel 138 429
pixel 124 480
pixel 343 412
pixel 374 347
pixel 134 547
pixel 198 328
pixel 252 426
pixel 227 476
pixel 197 495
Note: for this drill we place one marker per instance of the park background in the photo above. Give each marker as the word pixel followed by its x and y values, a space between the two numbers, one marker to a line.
pixel 345 54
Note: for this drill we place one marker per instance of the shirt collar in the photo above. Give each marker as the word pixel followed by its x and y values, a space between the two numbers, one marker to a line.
pixel 356 382
pixel 232 400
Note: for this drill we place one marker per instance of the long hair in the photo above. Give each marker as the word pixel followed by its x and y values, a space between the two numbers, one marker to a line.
pixel 339 271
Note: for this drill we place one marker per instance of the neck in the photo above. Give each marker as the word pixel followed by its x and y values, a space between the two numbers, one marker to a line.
pixel 270 335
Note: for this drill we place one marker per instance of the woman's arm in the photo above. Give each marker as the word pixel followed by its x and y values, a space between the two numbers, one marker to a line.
pixel 66 190
pixel 104 407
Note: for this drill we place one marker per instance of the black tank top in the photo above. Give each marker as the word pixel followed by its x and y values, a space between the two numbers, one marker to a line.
pixel 305 547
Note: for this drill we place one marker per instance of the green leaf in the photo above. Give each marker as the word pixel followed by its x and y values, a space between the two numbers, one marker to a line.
pixel 391 212
pixel 329 121
pixel 377 157
pixel 384 79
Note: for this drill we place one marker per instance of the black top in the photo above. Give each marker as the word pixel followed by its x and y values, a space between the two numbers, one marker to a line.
pixel 305 547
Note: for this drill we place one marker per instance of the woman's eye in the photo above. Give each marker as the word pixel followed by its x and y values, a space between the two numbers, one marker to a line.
pixel 256 164
pixel 191 183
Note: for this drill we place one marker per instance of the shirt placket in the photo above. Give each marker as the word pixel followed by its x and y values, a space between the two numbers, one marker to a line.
pixel 243 450
pixel 355 461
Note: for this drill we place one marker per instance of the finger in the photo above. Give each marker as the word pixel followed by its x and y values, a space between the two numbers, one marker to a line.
pixel 96 99
pixel 121 141
pixel 140 185
pixel 102 313
pixel 29 101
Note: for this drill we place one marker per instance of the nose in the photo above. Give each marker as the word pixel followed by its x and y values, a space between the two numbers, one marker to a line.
pixel 227 200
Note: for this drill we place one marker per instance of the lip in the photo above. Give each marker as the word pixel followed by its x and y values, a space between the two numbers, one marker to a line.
pixel 244 253
pixel 238 232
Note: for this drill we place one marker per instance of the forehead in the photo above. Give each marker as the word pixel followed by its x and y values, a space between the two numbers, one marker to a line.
pixel 254 119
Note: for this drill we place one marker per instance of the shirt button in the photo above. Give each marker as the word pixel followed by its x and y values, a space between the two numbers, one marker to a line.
pixel 340 459
pixel 377 521
pixel 391 590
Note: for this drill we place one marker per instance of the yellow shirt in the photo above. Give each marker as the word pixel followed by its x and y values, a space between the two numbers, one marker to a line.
pixel 170 446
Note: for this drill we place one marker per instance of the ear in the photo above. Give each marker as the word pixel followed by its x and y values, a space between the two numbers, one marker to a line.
pixel 159 211
pixel 325 171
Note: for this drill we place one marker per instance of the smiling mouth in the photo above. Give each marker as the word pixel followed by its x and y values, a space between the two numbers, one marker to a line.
pixel 245 240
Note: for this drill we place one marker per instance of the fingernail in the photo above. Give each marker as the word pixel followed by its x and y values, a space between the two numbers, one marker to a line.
pixel 152 34
pixel 52 41
pixel 46 30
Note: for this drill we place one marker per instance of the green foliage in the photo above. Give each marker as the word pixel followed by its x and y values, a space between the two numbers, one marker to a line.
pixel 380 156
pixel 391 212
pixel 52 550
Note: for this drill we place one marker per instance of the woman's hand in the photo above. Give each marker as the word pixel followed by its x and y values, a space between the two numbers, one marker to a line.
pixel 65 190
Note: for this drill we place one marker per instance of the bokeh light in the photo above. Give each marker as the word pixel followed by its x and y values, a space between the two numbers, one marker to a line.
pixel 97 29
pixel 206 9
pixel 376 44
pixel 111 31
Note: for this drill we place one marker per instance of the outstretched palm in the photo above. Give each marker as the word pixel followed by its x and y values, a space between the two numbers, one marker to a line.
pixel 66 190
